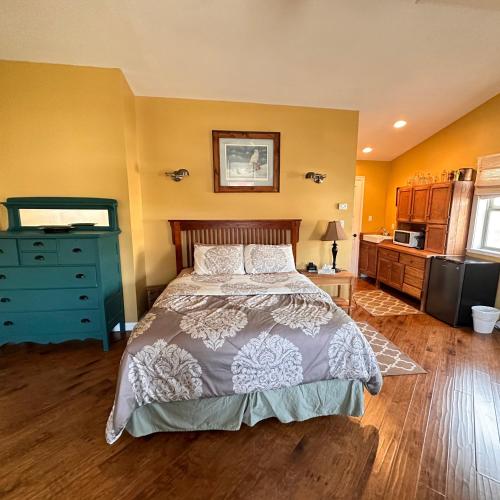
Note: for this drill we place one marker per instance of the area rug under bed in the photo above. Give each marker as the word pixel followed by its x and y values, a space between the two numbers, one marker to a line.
pixel 390 359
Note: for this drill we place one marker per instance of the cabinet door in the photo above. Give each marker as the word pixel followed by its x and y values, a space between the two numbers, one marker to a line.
pixel 372 261
pixel 419 200
pixel 384 270
pixel 438 208
pixel 397 273
pixel 435 238
pixel 404 195
pixel 363 257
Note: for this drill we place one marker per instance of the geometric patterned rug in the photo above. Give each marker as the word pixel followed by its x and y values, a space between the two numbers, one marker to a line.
pixel 390 359
pixel 379 303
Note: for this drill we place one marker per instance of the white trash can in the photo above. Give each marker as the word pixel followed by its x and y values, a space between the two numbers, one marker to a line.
pixel 484 318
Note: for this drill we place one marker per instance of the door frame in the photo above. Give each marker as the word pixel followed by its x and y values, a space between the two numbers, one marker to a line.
pixel 357 221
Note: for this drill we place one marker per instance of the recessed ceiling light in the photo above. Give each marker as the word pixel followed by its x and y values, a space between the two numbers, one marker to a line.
pixel 367 150
pixel 399 124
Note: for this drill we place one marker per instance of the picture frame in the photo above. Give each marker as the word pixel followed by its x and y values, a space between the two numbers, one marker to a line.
pixel 246 162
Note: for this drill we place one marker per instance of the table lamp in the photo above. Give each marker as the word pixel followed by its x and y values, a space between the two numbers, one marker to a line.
pixel 334 232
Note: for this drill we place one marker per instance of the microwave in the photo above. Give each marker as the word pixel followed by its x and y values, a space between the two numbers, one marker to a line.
pixel 408 238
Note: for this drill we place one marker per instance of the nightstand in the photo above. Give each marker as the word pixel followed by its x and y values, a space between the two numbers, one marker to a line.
pixel 153 292
pixel 338 279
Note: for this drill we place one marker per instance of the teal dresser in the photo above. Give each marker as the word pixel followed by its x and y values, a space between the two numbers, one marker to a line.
pixel 63 286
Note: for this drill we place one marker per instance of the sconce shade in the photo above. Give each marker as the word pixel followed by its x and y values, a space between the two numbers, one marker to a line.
pixel 334 232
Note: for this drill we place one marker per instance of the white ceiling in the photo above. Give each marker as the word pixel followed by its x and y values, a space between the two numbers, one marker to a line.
pixel 428 61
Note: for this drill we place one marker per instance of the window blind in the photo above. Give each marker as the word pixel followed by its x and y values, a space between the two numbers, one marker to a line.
pixel 488 175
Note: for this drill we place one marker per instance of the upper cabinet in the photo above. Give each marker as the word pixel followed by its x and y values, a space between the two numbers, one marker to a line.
pixel 403 197
pixel 438 210
pixel 419 204
pixel 444 208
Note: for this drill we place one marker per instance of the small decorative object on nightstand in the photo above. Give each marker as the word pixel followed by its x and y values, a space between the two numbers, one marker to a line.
pixel 338 279
pixel 334 232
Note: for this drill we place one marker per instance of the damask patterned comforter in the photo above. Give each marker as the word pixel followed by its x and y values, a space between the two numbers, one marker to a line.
pixel 218 335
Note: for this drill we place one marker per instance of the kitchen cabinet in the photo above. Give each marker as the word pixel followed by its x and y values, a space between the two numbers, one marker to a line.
pixel 438 206
pixel 402 269
pixel 443 208
pixel 419 203
pixel 403 201
pixel 435 238
pixel 368 258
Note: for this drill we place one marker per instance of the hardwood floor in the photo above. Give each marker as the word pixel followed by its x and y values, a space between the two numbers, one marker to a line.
pixel 424 436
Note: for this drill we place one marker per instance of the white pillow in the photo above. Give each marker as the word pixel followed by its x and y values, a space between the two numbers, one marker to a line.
pixel 218 259
pixel 261 259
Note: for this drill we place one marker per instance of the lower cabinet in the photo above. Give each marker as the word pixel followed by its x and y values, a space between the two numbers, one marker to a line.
pixel 402 271
pixel 368 259
pixel 390 272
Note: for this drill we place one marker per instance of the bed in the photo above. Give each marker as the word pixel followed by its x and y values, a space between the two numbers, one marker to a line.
pixel 239 346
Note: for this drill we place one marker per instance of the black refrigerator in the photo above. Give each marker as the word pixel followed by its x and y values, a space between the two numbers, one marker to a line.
pixel 458 283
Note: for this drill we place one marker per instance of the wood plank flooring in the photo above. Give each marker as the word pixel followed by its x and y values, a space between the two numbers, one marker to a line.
pixel 430 436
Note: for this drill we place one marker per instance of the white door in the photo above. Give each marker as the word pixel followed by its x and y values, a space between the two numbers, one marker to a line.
pixel 357 219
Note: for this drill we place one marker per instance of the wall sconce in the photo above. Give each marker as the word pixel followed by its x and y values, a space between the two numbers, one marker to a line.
pixel 317 178
pixel 178 175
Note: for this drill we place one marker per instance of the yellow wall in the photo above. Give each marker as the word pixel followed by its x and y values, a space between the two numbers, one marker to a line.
pixel 62 133
pixel 176 133
pixel 458 145
pixel 376 174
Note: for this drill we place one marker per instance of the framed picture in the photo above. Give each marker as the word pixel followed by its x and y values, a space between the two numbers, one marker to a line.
pixel 246 162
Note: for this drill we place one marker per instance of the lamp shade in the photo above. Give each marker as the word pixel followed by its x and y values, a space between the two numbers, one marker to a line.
pixel 334 232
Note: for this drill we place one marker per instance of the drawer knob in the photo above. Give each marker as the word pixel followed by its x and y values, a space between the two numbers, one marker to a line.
pixel 38 244
pixel 3 277
pixel 84 297
pixel 85 320
pixel 79 276
pixel 8 323
pixel 40 258
pixel 77 250
pixel 4 300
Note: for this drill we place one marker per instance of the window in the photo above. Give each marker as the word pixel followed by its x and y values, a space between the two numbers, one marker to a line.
pixel 486 224
pixel 484 231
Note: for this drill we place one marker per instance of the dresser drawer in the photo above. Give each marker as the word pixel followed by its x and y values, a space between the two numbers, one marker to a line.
pixel 388 254
pixel 411 290
pixel 39 259
pixel 8 253
pixel 412 260
pixel 37 245
pixel 48 300
pixel 17 323
pixel 47 277
pixel 77 251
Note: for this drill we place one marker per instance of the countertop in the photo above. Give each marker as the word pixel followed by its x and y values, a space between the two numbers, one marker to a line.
pixel 408 250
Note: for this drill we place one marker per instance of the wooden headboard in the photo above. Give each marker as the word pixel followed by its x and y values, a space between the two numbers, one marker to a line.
pixel 185 233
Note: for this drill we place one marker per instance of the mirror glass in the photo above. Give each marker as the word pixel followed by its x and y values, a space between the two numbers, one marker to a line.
pixel 62 217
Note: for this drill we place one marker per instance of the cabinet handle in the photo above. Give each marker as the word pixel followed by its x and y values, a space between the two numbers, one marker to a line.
pixel 39 257
pixel 77 250
pixel 79 276
pixel 84 297
pixel 38 244
pixel 85 320
pixel 8 323
pixel 4 300
pixel 3 277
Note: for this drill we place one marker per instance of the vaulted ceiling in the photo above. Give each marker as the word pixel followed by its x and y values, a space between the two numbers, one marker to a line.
pixel 426 61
